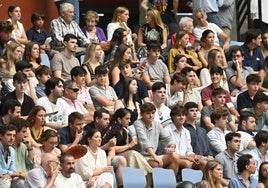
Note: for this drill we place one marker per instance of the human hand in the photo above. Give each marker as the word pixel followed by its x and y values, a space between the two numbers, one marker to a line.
pixel 159 161
pixel 112 142
pixel 108 169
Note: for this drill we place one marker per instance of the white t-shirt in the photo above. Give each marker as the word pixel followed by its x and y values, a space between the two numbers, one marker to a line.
pixel 75 181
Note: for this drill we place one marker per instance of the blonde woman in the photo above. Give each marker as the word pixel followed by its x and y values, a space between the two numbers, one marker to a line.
pixel 119 20
pixel 153 30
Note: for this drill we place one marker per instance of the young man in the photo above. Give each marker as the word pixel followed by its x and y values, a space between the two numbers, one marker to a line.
pixel 7 154
pixel 151 135
pixel 246 167
pixel 237 73
pixel 216 136
pixel 199 139
pixel 72 134
pixel 155 70
pixel 259 153
pixel 126 70
pixel 56 114
pixel 182 139
pixel 176 91
pixel 44 175
pixel 218 99
pixel 67 178
pixel 20 83
pixel 162 112
pixel 63 62
pixel 42 74
pixel 24 160
pixel 6 29
pixel 10 109
pixel 246 127
pixel 260 110
pixel 102 95
pixel 245 99
pixel 228 158
pixel 252 53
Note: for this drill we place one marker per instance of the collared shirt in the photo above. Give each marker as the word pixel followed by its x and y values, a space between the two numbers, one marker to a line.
pixel 40 90
pixel 216 138
pixel 7 167
pixel 182 139
pixel 39 37
pixel 58 29
pixel 172 100
pixel 238 182
pixel 162 114
pixel 73 105
pixel 256 61
pixel 83 96
pixel 36 177
pixel 261 121
pixel 23 163
pixel 257 156
pixel 229 164
pixel 244 101
pixel 246 138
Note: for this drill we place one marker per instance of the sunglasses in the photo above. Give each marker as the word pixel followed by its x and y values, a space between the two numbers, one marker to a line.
pixel 74 89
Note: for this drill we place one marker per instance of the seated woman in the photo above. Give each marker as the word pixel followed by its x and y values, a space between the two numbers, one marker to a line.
pixel 91 61
pixel 128 98
pixel 92 167
pixel 126 140
pixel 37 121
pixel 49 140
pixel 263 175
pixel 18 32
pixel 216 58
pixel 180 47
pixel 93 33
pixel 32 54
pixel 153 30
pixel 119 20
pixel 123 52
pixel 212 176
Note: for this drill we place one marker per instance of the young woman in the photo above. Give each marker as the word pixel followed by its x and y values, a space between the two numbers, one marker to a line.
pixel 212 175
pixel 180 47
pixel 216 58
pixel 49 140
pixel 92 167
pixel 153 30
pixel 125 140
pixel 123 52
pixel 119 20
pixel 37 121
pixel 32 54
pixel 128 98
pixel 263 175
pixel 91 61
pixel 18 32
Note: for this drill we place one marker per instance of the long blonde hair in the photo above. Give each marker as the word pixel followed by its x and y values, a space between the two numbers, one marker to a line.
pixel 155 16
pixel 90 53
pixel 210 166
pixel 211 58
pixel 117 12
pixel 9 54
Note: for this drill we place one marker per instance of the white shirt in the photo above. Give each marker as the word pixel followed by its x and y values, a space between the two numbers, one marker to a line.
pixel 75 181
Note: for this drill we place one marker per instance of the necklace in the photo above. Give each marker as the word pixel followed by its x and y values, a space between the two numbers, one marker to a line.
pixel 92 152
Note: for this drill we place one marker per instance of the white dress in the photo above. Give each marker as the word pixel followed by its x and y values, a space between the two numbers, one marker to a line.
pixel 85 166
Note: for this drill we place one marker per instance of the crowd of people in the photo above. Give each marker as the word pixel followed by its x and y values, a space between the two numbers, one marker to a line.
pixel 173 95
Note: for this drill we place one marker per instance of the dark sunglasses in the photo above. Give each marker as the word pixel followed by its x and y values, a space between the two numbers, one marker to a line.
pixel 74 89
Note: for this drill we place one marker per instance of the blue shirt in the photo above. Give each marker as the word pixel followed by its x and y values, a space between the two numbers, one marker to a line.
pixel 40 90
pixel 257 156
pixel 7 167
pixel 39 37
pixel 244 101
pixel 65 136
pixel 256 61
pixel 238 182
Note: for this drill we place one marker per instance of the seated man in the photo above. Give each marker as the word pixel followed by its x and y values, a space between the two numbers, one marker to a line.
pixel 72 134
pixel 245 99
pixel 10 109
pixel 216 74
pixel 218 101
pixel 63 62
pixel 63 25
pixel 42 74
pixel 102 95
pixel 44 175
pixel 6 29
pixel 126 70
pixel 155 70
pixel 7 154
pixel 237 73
pixel 246 127
pixel 151 135
pixel 20 83
pixel 260 108
pixel 228 158
pixel 199 139
pixel 216 136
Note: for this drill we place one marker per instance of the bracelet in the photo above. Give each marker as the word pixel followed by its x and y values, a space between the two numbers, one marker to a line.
pixel 30 149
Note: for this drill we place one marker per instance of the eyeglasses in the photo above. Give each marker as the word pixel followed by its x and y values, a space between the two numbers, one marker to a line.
pixel 74 89
pixel 236 56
